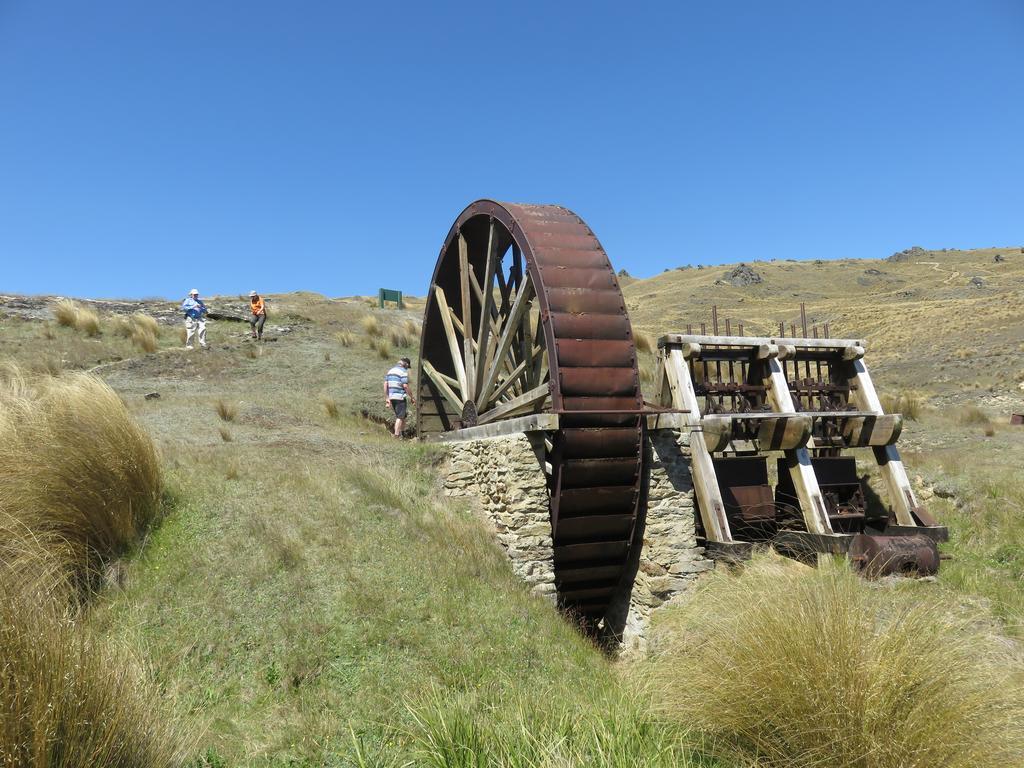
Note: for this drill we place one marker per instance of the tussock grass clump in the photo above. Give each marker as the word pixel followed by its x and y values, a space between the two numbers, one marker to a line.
pixel 909 404
pixel 371 326
pixel 383 349
pixel 71 315
pixel 141 329
pixel 797 667
pixel 544 730
pixel 331 407
pixel 345 338
pixel 227 411
pixel 225 435
pixel 75 469
pixel 972 415
pixel 412 328
pixel 66 313
pixel 70 699
pixel 644 342
pixel 399 338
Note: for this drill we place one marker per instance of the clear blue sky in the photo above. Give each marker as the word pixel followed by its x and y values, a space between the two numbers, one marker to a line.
pixel 146 148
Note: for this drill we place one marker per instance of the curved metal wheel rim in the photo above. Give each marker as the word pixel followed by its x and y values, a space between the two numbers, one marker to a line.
pixel 596 457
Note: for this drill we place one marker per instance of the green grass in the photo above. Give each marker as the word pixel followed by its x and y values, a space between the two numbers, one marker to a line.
pixel 350 612
pixel 311 599
pixel 986 547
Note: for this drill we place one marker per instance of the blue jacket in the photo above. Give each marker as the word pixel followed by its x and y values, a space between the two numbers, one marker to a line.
pixel 193 308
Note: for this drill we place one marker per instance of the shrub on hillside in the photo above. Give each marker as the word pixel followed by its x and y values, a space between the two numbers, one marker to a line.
pixel 795 667
pixel 75 468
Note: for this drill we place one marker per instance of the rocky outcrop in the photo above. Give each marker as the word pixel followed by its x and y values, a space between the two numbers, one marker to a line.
pixel 742 276
pixel 914 252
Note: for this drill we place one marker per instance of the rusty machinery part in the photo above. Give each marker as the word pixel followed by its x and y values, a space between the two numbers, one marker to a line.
pixel 877 555
pixel 525 315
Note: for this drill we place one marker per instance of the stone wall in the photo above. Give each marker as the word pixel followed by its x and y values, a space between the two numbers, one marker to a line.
pixel 505 476
pixel 670 560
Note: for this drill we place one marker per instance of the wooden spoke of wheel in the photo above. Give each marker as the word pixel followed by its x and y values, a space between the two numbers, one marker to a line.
pixel 467 319
pixel 486 302
pixel 453 342
pixel 508 332
pixel 442 383
pixel 530 400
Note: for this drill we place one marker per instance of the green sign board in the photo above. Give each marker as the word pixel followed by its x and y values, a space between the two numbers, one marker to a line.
pixel 386 294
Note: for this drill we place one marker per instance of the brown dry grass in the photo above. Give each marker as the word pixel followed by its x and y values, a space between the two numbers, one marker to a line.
pixel 796 667
pixel 225 410
pixel 399 338
pixel 371 326
pixel 972 415
pixel 72 315
pixel 76 471
pixel 332 408
pixel 69 699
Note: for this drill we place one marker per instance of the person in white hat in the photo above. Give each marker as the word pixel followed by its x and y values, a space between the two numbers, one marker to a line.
pixel 195 319
pixel 259 315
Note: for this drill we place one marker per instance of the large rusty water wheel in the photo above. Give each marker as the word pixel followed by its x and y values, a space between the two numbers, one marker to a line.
pixel 525 315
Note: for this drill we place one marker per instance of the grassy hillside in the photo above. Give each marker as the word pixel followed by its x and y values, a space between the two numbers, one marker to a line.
pixel 311 599
pixel 927 326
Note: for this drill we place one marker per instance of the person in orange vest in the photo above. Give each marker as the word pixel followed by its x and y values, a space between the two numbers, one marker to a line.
pixel 259 315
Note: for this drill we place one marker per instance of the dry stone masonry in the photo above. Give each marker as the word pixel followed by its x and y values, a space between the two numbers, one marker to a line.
pixel 505 476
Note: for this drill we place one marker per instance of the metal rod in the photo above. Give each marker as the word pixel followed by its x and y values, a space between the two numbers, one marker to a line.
pixel 714 318
pixel 803 318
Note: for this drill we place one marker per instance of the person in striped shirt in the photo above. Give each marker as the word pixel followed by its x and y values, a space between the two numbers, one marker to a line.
pixel 396 389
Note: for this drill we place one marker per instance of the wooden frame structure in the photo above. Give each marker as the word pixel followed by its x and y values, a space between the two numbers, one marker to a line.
pixel 756 386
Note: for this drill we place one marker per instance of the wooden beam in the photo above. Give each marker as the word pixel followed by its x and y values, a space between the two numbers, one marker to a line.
pixel 676 339
pixel 705 480
pixel 441 382
pixel 526 400
pixel 890 465
pixel 805 482
pixel 535 422
pixel 467 317
pixel 453 343
pixel 508 332
pixel 510 380
pixel 487 300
